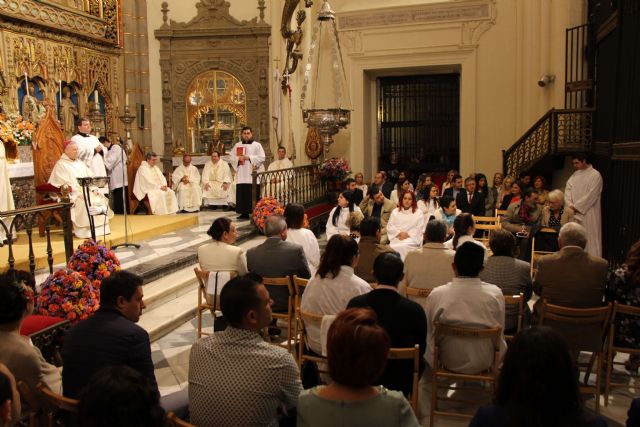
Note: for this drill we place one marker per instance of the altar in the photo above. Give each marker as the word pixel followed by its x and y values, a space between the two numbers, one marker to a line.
pixel 22 185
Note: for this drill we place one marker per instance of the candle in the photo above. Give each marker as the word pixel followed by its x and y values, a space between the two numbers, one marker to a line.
pixel 26 83
pixel 95 97
pixel 60 94
pixel 126 100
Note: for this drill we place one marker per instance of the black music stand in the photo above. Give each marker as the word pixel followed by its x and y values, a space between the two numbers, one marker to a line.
pixel 98 181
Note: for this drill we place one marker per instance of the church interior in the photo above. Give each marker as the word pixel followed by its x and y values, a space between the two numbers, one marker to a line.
pixel 329 90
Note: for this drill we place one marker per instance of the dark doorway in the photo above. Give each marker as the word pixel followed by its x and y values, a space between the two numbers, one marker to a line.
pixel 419 123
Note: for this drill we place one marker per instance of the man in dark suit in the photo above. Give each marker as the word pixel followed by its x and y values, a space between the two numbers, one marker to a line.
pixel 455 189
pixel 380 181
pixel 350 185
pixel 277 258
pixel 470 201
pixel 404 320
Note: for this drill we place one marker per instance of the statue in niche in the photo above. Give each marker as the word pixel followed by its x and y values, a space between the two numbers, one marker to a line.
pixel 32 111
pixel 166 87
pixel 68 113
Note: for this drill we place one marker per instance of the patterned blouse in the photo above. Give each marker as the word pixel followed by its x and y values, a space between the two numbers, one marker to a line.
pixel 620 288
pixel 555 221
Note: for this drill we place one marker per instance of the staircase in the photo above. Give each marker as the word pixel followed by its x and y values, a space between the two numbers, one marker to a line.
pixel 558 133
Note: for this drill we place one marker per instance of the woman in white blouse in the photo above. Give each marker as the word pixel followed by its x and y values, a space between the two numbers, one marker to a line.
pixel 333 286
pixel 337 222
pixel 401 187
pixel 464 227
pixel 296 233
pixel 431 203
pixel 406 226
pixel 359 177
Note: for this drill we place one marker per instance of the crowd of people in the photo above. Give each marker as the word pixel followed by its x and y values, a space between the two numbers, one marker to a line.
pixel 376 250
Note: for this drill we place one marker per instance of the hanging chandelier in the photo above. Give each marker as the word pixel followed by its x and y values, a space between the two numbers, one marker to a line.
pixel 325 97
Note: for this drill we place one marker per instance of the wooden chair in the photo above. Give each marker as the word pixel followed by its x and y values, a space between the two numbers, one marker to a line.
pixel 418 295
pixel 536 254
pixel 515 301
pixel 627 312
pixel 585 330
pixel 485 224
pixel 298 286
pixel 409 353
pixel 203 302
pixel 33 402
pixel 178 422
pixel 135 158
pixel 56 404
pixel 306 319
pixel 440 371
pixel 500 213
pixel 288 316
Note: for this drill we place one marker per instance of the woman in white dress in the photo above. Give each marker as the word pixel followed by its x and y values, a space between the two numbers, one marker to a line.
pixel 296 233
pixel 359 177
pixel 401 187
pixel 338 217
pixel 464 227
pixel 406 226
pixel 431 202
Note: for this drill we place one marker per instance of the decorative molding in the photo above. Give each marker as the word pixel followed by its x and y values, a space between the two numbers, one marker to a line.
pixel 211 15
pixel 629 151
pixel 352 40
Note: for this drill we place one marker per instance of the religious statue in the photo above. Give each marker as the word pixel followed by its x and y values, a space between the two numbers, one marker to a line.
pixel 32 110
pixel 68 113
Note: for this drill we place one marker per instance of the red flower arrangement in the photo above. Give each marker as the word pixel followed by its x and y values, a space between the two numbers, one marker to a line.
pixel 95 261
pixel 266 207
pixel 67 294
pixel 335 169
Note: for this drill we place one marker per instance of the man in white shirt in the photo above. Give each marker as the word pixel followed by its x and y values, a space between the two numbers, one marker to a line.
pixel 465 302
pixel 246 156
pixel 66 172
pixel 278 186
pixel 582 194
pixel 90 149
pixel 216 182
pixel 151 182
pixel 114 159
pixel 186 184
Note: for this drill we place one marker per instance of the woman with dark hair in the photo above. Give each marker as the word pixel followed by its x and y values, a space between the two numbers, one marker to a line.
pixel 406 226
pixel 540 187
pixel 22 358
pixel 335 283
pixel 221 254
pixel 464 227
pixel 424 180
pixel 357 349
pixel 401 188
pixel 296 233
pixel 337 222
pixel 537 386
pixel 624 287
pixel 482 186
pixel 431 202
pixel 514 195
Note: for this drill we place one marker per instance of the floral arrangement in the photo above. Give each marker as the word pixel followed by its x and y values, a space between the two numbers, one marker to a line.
pixel 23 131
pixel 335 169
pixel 95 261
pixel 67 294
pixel 266 207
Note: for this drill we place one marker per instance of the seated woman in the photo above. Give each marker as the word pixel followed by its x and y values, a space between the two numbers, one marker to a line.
pixel 406 226
pixel 493 194
pixel 540 187
pixel 513 196
pixel 430 204
pixel 555 214
pixel 449 181
pixel 357 349
pixel 359 177
pixel 464 227
pixel 333 286
pixel 354 221
pixel 22 358
pixel 537 382
pixel 296 233
pixel 505 190
pixel 401 187
pixel 338 217
pixel 424 180
pixel 624 287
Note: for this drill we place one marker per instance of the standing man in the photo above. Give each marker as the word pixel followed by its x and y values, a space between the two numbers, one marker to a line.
pixel 582 194
pixel 90 150
pixel 151 182
pixel 114 159
pixel 216 179
pixel 186 184
pixel 246 156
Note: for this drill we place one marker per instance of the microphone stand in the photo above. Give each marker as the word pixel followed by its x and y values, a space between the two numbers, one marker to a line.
pixel 127 119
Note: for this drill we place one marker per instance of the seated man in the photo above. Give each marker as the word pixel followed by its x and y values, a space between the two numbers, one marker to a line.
pixel 150 182
pixel 235 377
pixel 404 320
pixel 350 185
pixel 469 200
pixel 186 184
pixel 369 248
pixel 279 185
pixel 466 302
pixel 429 266
pixel 377 205
pixel 522 215
pixel 216 182
pixel 66 172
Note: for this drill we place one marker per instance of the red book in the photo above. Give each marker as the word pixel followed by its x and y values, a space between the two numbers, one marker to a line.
pixel 241 151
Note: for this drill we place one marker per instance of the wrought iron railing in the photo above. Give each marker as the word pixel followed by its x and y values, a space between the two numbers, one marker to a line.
pixel 557 132
pixel 29 219
pixel 301 184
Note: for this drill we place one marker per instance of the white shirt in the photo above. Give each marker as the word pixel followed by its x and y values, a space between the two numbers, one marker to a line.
pixel 113 161
pixel 466 238
pixel 256 155
pixel 330 296
pixel 341 226
pixel 428 209
pixel 407 221
pixel 305 238
pixel 583 192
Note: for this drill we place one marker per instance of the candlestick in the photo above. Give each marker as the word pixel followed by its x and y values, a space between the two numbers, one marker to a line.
pixel 26 83
pixel 126 99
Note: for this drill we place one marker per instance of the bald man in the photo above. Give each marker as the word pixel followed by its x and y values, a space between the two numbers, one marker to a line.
pixel 186 184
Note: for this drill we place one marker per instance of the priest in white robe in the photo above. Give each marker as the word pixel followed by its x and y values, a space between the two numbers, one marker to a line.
pixel 216 182
pixel 90 150
pixel 6 195
pixel 66 172
pixel 405 228
pixel 246 156
pixel 279 185
pixel 186 184
pixel 582 194
pixel 151 182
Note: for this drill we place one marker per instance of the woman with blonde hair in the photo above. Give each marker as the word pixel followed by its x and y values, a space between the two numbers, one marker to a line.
pixel 505 189
pixel 449 181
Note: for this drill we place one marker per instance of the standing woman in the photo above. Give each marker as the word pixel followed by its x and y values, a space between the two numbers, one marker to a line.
pixel 431 202
pixel 449 181
pixel 296 233
pixel 540 186
pixel 337 222
pixel 406 226
pixel 359 177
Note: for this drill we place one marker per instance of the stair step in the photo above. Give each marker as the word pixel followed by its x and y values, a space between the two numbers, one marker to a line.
pixel 169 287
pixel 163 319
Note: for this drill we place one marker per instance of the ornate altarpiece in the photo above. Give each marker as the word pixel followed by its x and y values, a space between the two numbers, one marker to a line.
pixel 212 41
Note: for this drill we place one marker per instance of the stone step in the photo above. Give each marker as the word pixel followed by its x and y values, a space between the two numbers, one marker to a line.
pixel 169 287
pixel 163 319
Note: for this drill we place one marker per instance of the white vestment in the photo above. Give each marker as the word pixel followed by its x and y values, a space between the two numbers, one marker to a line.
pixel 214 176
pixel 6 195
pixel 279 185
pixel 583 193
pixel 409 222
pixel 189 195
pixel 113 160
pixel 87 153
pixel 256 155
pixel 148 182
pixel 66 172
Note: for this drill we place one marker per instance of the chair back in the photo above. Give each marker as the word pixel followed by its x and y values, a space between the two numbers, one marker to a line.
pixel 288 316
pixel 206 302
pixel 409 353
pixel 56 405
pixel 537 254
pixel 299 284
pixel 178 422
pixel 307 319
pixel 626 314
pixel 485 224
pixel 516 301
pixel 418 295
pixel 135 158
pixel 33 402
pixel 583 328
pixel 500 213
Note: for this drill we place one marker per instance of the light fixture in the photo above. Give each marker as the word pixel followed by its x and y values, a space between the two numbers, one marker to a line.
pixel 546 79
pixel 325 97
